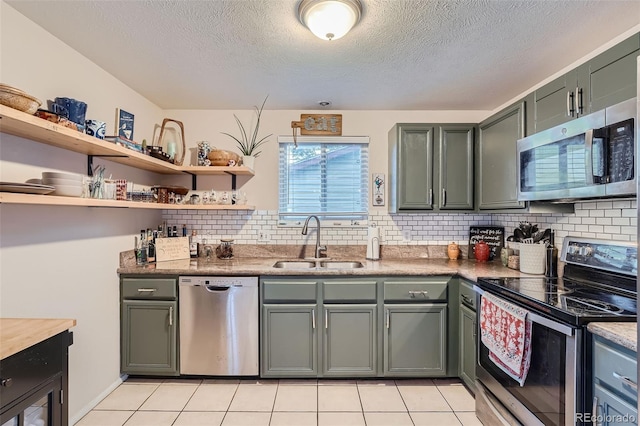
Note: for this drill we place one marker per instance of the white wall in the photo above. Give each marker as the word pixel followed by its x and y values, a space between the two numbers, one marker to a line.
pixel 62 261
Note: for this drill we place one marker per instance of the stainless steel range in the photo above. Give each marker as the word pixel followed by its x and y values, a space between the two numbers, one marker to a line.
pixel 598 284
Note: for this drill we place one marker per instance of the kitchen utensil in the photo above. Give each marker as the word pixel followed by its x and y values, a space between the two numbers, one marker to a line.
pixel 26 188
pixel 17 99
pixel 59 175
pixel 68 190
pixel 96 128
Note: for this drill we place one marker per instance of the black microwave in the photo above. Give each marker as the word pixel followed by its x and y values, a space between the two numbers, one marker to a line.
pixel 590 157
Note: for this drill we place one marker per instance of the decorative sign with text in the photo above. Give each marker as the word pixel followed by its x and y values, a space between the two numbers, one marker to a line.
pixel 172 248
pixel 492 235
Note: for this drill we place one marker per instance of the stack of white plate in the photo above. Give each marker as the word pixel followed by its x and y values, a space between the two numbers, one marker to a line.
pixel 66 184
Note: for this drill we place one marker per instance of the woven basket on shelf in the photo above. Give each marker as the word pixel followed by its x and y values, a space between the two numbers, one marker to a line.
pixel 220 157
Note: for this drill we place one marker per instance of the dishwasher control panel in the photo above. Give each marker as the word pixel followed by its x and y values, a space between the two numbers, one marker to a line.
pixel 219 281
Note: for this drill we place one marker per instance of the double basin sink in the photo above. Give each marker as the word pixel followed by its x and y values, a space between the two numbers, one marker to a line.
pixel 323 264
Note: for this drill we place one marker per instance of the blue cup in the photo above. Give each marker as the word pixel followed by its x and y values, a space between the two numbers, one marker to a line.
pixel 96 128
pixel 76 109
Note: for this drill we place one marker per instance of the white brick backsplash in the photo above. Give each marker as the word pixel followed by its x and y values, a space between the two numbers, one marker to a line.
pixel 608 219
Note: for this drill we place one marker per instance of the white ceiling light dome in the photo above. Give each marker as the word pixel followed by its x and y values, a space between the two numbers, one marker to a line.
pixel 330 19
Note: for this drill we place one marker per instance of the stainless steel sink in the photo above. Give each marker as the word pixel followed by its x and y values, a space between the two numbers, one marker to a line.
pixel 340 265
pixel 294 264
pixel 326 264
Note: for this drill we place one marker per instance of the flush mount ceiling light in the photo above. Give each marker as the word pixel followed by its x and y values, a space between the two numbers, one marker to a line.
pixel 329 19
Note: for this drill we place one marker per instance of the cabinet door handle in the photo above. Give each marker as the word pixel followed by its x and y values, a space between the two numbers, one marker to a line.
pixel 570 103
pixel 444 197
pixel 578 101
pixel 430 196
pixel 170 316
pixel 387 319
pixel 474 333
pixel 414 293
pixel 326 319
pixel 313 319
pixel 625 380
pixel 467 299
pixel 146 290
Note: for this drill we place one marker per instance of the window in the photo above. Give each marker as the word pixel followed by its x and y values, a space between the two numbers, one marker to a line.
pixel 323 176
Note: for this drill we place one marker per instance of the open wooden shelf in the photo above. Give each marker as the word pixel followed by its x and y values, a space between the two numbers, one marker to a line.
pixel 53 200
pixel 27 126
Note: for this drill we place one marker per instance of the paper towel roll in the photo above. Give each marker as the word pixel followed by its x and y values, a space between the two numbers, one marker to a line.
pixel 373 243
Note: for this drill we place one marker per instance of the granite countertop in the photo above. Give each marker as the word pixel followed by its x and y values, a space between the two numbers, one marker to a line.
pixel 622 333
pixel 468 269
pixel 17 334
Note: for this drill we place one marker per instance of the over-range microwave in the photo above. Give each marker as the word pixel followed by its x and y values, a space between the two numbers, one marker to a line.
pixel 590 157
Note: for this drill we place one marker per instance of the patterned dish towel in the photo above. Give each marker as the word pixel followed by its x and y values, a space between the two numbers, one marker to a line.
pixel 506 331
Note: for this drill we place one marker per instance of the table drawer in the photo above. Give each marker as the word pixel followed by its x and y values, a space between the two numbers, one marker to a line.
pixel 350 290
pixel 415 290
pixel 612 364
pixel 149 288
pixel 289 290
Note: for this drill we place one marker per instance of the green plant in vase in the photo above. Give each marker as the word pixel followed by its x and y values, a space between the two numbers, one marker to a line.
pixel 248 143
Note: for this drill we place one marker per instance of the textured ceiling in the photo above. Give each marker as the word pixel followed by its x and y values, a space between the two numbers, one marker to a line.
pixel 404 54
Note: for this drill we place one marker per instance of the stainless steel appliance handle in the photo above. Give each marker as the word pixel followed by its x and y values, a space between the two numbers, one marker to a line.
pixel 578 101
pixel 214 288
pixel 313 319
pixel 537 319
pixel 588 159
pixel 444 197
pixel 170 316
pixel 594 411
pixel 625 380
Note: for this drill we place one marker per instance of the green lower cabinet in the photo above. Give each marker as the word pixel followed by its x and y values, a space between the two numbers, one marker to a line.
pixel 289 341
pixel 349 340
pixel 415 340
pixel 149 339
pixel 467 360
pixel 612 410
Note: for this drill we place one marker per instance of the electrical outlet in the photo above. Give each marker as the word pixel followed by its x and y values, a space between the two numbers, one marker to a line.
pixel 264 236
pixel 406 234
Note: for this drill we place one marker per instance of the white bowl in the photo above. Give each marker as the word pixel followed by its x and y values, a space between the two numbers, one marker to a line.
pixel 67 190
pixel 60 175
pixel 56 181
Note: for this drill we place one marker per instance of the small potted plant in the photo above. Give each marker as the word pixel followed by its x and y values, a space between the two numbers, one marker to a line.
pixel 248 143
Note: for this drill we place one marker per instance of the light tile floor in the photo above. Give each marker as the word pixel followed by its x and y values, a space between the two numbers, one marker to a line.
pixel 190 402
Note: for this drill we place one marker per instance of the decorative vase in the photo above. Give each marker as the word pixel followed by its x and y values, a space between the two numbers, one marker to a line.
pixel 482 251
pixel 453 251
pixel 248 161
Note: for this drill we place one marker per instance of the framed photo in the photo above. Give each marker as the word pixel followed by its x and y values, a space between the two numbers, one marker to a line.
pixel 124 124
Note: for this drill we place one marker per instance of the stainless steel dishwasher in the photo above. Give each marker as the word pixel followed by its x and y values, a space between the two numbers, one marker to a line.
pixel 219 326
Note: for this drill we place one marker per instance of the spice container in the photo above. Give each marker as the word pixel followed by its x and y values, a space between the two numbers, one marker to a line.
pixel 225 249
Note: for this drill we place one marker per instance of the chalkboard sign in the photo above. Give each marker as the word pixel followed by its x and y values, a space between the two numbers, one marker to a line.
pixel 492 235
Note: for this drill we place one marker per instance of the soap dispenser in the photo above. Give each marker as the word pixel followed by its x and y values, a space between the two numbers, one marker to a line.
pixel 373 243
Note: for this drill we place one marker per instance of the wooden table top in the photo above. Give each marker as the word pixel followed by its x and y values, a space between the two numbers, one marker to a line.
pixel 17 334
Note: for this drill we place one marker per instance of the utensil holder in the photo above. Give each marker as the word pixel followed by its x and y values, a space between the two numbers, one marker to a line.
pixel 532 258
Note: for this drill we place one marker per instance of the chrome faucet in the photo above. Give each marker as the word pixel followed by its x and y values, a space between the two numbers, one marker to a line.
pixel 305 228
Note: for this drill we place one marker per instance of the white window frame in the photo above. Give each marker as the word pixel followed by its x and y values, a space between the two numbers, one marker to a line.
pixel 326 222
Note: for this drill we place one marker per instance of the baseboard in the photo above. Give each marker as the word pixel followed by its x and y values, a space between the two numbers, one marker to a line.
pixel 75 418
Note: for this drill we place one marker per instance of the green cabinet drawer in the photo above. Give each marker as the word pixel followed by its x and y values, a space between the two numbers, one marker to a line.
pixel 149 288
pixel 612 364
pixel 417 291
pixel 349 290
pixel 289 290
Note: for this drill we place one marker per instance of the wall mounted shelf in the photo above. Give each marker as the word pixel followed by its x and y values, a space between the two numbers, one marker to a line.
pixel 52 200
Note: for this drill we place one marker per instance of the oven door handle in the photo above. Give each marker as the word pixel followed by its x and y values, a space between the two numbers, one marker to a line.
pixel 537 319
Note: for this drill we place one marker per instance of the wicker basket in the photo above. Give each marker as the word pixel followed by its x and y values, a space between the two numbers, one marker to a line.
pixel 17 99
pixel 220 157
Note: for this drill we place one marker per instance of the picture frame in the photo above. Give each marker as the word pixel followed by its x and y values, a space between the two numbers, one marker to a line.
pixel 124 124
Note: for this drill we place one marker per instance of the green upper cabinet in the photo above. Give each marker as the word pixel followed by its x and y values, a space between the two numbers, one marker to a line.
pixel 456 171
pixel 411 167
pixel 431 167
pixel 605 80
pixel 497 173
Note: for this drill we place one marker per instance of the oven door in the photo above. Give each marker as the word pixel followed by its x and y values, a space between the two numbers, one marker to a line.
pixel 548 396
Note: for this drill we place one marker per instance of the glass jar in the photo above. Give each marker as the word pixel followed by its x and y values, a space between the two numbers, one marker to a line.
pixel 225 249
